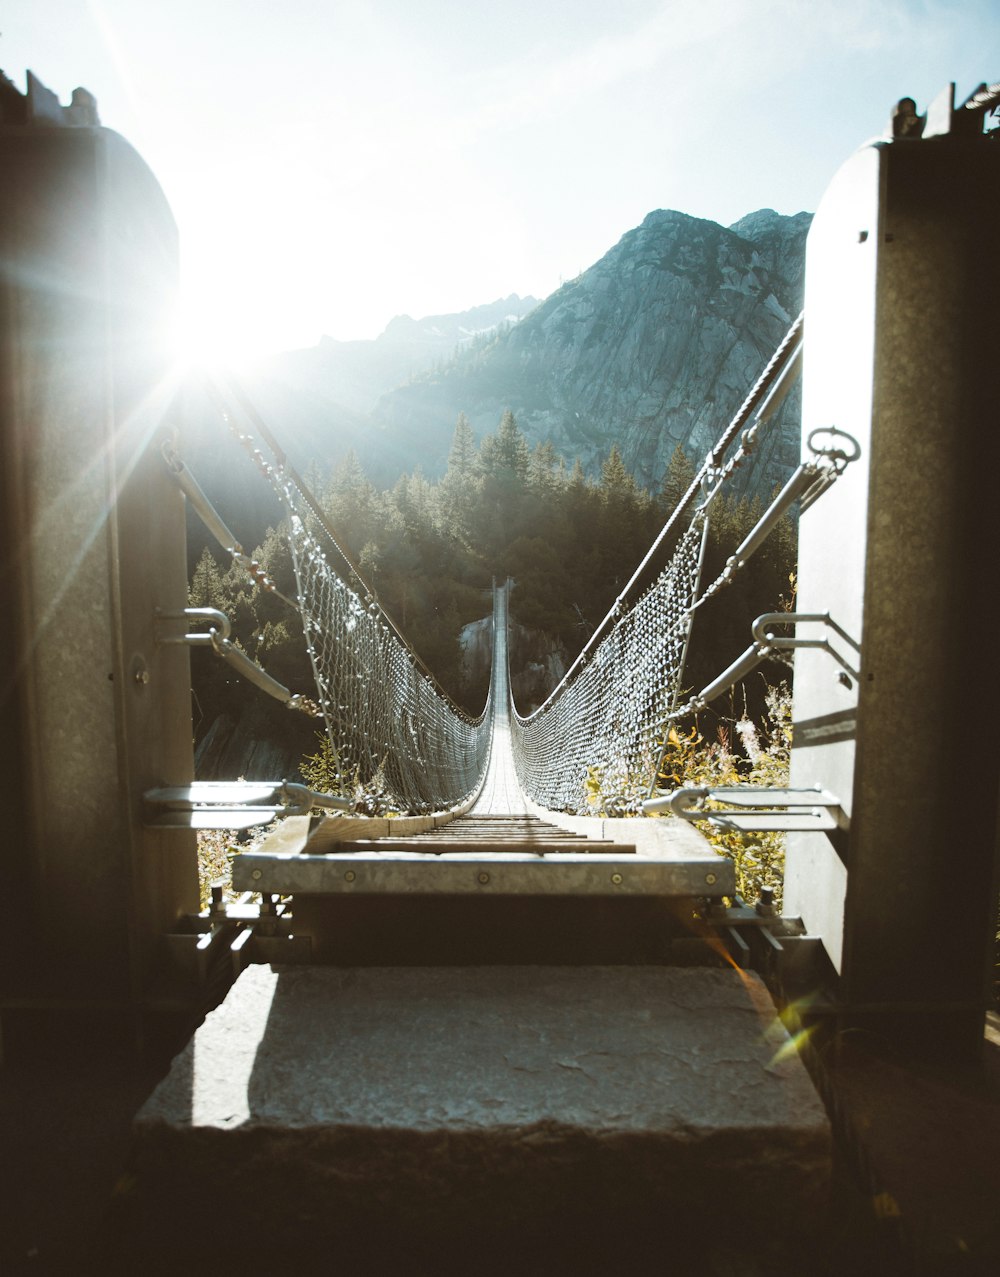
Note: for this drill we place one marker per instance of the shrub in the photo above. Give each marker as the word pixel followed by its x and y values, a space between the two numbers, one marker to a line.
pixel 762 759
pixel 325 773
pixel 217 849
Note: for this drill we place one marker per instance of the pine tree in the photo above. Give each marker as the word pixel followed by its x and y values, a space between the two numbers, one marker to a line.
pixel 207 587
pixel 542 473
pixel 348 502
pixel 457 492
pixel 618 488
pixel 512 447
pixel 676 480
pixel 577 479
pixel 462 457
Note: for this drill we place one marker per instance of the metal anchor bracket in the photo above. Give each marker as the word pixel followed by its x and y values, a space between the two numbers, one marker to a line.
pixel 218 632
pixel 763 810
pixel 227 805
pixel 217 638
pixel 767 638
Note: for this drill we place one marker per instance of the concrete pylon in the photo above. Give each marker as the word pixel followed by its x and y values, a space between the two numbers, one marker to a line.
pixel 92 534
pixel 902 276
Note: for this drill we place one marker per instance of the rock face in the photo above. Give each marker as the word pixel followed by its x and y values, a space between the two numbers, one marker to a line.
pixel 476 640
pixel 657 344
pixel 537 662
pixel 243 748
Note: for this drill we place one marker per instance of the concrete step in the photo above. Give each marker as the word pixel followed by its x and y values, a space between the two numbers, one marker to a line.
pixel 438 1120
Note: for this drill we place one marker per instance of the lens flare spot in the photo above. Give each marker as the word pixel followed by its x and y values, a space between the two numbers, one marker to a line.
pixel 793 1045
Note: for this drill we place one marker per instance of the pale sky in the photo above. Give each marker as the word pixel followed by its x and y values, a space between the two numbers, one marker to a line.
pixel 333 163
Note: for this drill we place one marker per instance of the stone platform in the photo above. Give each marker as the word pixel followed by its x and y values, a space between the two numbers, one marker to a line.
pixel 466 1119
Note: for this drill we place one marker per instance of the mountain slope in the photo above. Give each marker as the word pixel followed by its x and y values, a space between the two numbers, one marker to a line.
pixel 351 375
pixel 318 399
pixel 655 345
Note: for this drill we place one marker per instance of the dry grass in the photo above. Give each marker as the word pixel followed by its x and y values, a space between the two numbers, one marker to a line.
pixel 217 849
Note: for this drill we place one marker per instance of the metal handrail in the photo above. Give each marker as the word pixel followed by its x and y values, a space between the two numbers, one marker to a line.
pixel 800 481
pixel 733 674
pixel 805 484
pixel 195 494
pixel 215 524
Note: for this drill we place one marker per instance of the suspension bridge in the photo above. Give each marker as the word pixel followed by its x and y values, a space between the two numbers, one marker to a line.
pixel 493 797
pixel 487 1014
pixel 386 717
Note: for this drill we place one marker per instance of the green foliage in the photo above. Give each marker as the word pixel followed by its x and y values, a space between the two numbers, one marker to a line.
pixel 744 752
pixel 676 481
pixel 614 792
pixel 544 474
pixel 207 588
pixel 462 457
pixel 512 448
pixel 324 772
pixel 618 488
pixel 760 758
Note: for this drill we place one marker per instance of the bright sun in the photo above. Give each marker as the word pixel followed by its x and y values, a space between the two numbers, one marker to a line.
pixel 195 342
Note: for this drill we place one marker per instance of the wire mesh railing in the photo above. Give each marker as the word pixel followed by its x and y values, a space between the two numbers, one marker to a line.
pixel 602 730
pixel 391 731
pixel 603 725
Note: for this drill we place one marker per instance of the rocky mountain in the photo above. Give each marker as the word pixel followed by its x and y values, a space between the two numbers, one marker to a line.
pixel 655 345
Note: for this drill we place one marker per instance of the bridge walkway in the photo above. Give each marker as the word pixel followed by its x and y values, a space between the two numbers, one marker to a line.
pixel 501 844
pixel 501 793
pixel 501 819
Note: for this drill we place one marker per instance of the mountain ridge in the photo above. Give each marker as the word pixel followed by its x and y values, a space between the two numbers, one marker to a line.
pixel 654 345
